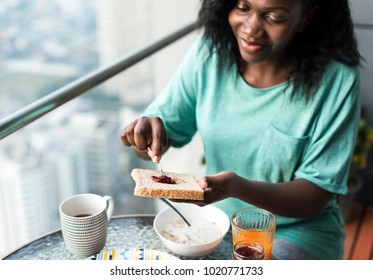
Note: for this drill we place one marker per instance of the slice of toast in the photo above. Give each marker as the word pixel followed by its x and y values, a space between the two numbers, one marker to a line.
pixel 186 186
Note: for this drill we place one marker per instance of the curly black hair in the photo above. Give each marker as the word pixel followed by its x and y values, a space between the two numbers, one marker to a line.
pixel 330 35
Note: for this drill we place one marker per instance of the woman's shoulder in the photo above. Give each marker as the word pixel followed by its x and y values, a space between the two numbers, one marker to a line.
pixel 336 69
pixel 201 50
pixel 201 44
pixel 339 83
pixel 200 57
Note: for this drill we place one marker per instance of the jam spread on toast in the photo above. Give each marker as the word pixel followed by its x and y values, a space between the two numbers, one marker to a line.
pixel 163 179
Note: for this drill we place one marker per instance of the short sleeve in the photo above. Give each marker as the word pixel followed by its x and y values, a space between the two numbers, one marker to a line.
pixel 326 161
pixel 176 105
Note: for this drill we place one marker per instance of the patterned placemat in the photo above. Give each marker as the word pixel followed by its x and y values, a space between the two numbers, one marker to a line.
pixel 132 254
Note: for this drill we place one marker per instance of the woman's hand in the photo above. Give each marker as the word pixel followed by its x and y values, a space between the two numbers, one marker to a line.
pixel 143 133
pixel 217 187
pixel 297 198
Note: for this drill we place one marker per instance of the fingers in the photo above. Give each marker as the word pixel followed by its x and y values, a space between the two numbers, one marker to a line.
pixel 158 135
pixel 208 195
pixel 216 187
pixel 203 183
pixel 143 133
pixel 126 135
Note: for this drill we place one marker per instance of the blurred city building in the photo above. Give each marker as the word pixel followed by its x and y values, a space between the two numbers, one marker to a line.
pixel 76 148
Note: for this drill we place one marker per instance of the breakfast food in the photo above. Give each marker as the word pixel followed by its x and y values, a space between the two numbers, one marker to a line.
pixel 201 231
pixel 149 183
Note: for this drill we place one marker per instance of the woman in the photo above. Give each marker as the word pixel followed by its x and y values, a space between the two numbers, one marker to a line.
pixel 272 86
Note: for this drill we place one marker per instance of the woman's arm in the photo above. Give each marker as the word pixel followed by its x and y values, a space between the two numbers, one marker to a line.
pixel 297 198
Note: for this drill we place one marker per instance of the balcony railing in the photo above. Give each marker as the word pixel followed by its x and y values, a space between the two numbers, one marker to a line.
pixel 37 109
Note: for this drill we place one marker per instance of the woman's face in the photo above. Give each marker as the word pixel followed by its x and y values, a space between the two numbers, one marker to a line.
pixel 265 28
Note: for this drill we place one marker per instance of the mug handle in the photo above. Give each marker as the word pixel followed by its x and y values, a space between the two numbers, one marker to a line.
pixel 109 206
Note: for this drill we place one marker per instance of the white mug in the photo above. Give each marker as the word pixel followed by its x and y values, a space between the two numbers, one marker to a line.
pixel 84 221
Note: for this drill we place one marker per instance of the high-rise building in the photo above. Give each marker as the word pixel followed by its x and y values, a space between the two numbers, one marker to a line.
pixel 122 27
pixel 67 152
pixel 100 135
pixel 27 194
pixel 83 154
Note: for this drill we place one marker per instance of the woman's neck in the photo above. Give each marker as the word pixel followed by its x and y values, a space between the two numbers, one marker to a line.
pixel 266 74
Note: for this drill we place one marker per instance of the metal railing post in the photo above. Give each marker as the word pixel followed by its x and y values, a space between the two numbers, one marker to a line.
pixel 40 107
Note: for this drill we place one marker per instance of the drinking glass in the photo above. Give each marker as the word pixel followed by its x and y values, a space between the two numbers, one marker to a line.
pixel 254 224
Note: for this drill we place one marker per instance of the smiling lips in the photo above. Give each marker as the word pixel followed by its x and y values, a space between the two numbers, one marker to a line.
pixel 251 47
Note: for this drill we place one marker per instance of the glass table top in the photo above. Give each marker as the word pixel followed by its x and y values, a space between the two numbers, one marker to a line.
pixel 123 232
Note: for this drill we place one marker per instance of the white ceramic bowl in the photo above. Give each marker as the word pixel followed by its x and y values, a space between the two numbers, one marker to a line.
pixel 192 212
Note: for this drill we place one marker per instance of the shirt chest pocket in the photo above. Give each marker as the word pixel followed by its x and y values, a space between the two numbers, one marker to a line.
pixel 278 156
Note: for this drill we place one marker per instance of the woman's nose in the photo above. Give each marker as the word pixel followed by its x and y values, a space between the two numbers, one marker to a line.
pixel 252 26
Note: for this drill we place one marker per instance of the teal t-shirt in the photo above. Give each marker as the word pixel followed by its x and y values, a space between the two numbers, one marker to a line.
pixel 264 135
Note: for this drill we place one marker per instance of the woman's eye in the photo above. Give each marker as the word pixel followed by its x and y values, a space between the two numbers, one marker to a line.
pixel 242 7
pixel 275 19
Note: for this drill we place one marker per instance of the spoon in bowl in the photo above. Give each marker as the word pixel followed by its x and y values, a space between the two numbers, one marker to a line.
pixel 177 211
